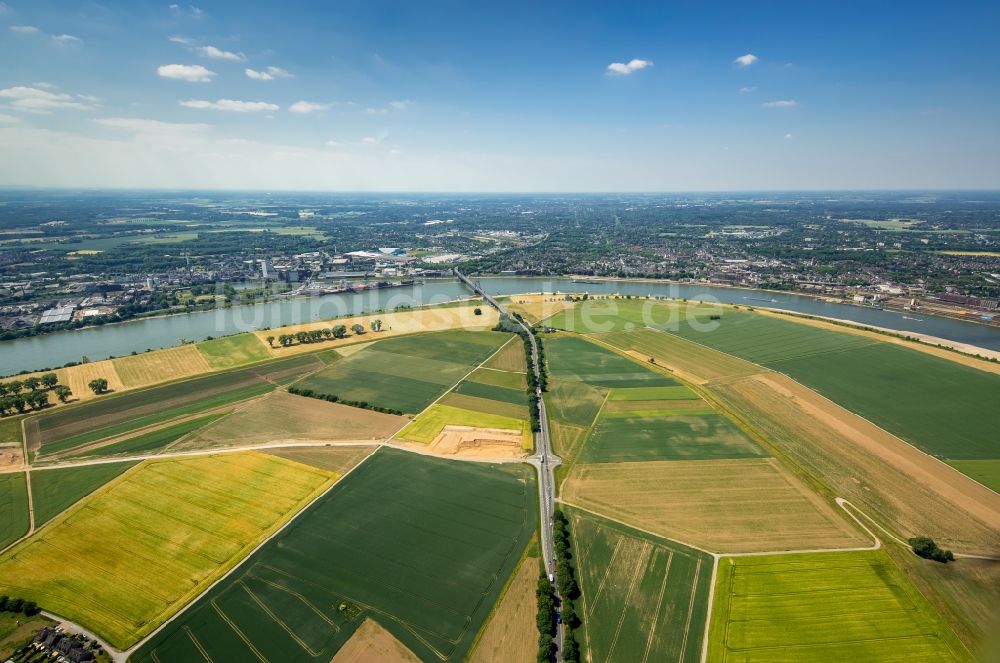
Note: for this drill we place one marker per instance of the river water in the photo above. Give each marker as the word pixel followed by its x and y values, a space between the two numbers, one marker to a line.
pixel 52 350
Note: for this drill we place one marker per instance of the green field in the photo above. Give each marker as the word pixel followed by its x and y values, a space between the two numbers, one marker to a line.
pixel 233 351
pixel 493 392
pixel 610 315
pixel 574 358
pixel 947 409
pixel 127 557
pixel 55 490
pixel 573 402
pixel 428 565
pixel 148 442
pixel 679 393
pixel 13 507
pixel 986 472
pixel 845 606
pixel 430 422
pixel 66 428
pixel 406 373
pixel 623 437
pixel 508 379
pixel 644 598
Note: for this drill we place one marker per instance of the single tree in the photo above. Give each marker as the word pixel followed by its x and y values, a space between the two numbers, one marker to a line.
pixel 15 387
pixel 270 341
pixel 358 329
pixel 376 325
pixel 99 385
pixel 49 380
pixel 340 331
pixel 32 383
pixel 62 392
pixel 477 311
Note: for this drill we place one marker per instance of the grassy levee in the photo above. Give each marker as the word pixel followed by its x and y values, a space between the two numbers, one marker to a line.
pixel 137 550
pixel 55 490
pixel 231 351
pixel 824 607
pixel 66 428
pixel 945 408
pixel 643 598
pixel 406 373
pixel 427 565
pixel 13 507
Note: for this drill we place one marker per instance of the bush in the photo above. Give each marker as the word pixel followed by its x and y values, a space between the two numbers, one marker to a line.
pixel 924 546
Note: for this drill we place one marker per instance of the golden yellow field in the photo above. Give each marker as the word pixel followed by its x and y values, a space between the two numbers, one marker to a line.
pixel 535 308
pixel 393 324
pixel 78 377
pixel 160 366
pixel 136 551
pixel 510 634
pixel 745 505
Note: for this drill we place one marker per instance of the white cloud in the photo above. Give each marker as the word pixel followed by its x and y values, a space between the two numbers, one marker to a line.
pixel 40 101
pixel 781 103
pixel 187 41
pixel 137 125
pixel 401 105
pixel 24 29
pixel 787 136
pixel 745 60
pixel 8 119
pixel 332 143
pixel 232 105
pixel 748 90
pixel 626 68
pixel 4 8
pixel 268 74
pixel 369 140
pixel 219 54
pixel 377 111
pixel 307 107
pixel 193 73
pixel 190 10
pixel 65 39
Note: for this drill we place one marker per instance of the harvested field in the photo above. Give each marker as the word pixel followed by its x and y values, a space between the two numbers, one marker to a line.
pixel 284 417
pixel 396 323
pixel 510 634
pixel 508 379
pixel 233 351
pixel 678 393
pixel 78 377
pixel 67 428
pixel 574 358
pixel 13 507
pixel 160 366
pixel 433 420
pixel 824 607
pixel 535 308
pixel 889 479
pixel 643 598
pixel 622 437
pixel 334 459
pixel 373 644
pixel 431 592
pixel 720 505
pixel 986 472
pixel 574 402
pixel 155 538
pixel 509 358
pixel 689 360
pixel 55 490
pixel 504 409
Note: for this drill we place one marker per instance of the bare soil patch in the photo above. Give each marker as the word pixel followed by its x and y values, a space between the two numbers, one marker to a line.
pixel 471 442
pixel 898 484
pixel 746 505
pixel 373 644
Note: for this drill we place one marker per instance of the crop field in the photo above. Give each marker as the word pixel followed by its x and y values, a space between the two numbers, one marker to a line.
pixel 281 416
pixel 487 405
pixel 492 392
pixel 432 421
pixel 13 507
pixel 231 351
pixel 596 316
pixel 845 606
pixel 427 565
pixel 624 436
pixel 510 358
pixel 406 373
pixel 643 598
pixel 78 377
pixel 574 402
pixel 55 490
pixel 744 505
pixel 509 379
pixel 657 408
pixel 67 428
pixel 334 459
pixel 127 557
pixel 939 405
pixel 986 472
pixel 510 634
pixel 573 358
pixel 690 360
pixel 566 438
pixel 158 439
pixel 160 366
pixel 677 393
pixel 373 644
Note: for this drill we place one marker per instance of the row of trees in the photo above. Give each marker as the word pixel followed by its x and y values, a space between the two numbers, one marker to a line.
pixel 31 393
pixel 568 587
pixel 510 326
pixel 364 405
pixel 18 606
pixel 325 334
pixel 33 383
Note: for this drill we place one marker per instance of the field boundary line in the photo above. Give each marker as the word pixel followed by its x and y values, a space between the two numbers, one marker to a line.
pixel 690 613
pixel 659 602
pixel 711 607
pixel 638 529
pixel 646 545
pixel 122 656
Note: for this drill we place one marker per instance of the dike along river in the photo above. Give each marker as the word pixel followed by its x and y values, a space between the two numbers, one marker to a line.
pixel 56 349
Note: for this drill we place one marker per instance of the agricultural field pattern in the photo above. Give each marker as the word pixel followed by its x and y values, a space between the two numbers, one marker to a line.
pixel 729 485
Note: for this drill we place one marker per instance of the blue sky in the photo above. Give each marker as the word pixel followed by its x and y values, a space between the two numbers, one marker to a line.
pixel 513 96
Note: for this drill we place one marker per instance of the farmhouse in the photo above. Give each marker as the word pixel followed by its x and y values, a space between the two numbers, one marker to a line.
pixel 61 645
